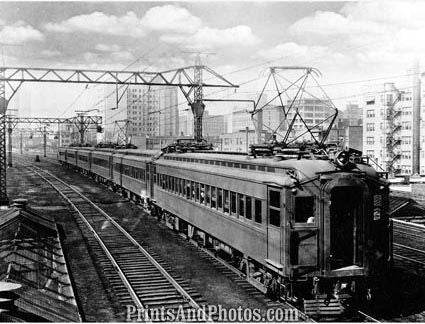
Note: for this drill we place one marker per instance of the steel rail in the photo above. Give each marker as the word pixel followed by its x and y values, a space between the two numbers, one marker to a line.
pixel 368 317
pixel 102 244
pixel 164 272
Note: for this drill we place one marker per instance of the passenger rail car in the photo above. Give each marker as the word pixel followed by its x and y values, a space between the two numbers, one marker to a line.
pixel 309 229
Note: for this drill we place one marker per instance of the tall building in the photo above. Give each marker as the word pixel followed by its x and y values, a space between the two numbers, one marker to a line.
pixel 241 119
pixel 389 135
pixel 313 112
pixel 240 141
pixel 212 125
pixel 144 112
pixel 352 116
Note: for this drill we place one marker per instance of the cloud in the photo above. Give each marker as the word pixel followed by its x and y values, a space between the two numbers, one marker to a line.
pixel 50 53
pixel 122 55
pixel 99 22
pixel 210 38
pixel 406 14
pixel 300 54
pixel 329 24
pixel 171 18
pixel 108 47
pixel 160 18
pixel 118 56
pixel 368 32
pixel 19 33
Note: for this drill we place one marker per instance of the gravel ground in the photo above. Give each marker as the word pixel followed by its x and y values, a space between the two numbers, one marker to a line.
pixel 91 293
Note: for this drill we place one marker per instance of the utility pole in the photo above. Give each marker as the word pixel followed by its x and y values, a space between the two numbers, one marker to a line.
pixel 44 141
pixel 9 145
pixel 198 107
pixel 4 201
pixel 81 129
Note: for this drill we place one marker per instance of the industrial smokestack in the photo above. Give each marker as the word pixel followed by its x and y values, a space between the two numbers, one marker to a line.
pixel 416 127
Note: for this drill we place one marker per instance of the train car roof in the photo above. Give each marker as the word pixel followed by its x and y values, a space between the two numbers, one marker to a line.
pixel 306 168
pixel 279 179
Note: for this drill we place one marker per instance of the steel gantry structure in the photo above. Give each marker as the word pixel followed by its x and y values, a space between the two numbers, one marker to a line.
pixel 81 123
pixel 188 79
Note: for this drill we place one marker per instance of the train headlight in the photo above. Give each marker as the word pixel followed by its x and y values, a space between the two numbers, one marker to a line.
pixel 342 159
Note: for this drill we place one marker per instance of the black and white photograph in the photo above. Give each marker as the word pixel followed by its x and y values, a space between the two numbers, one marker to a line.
pixel 212 161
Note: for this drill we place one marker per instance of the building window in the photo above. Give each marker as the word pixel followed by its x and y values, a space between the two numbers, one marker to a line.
pixel 370 101
pixel 370 127
pixel 370 140
pixel 370 153
pixel 370 113
pixel 406 125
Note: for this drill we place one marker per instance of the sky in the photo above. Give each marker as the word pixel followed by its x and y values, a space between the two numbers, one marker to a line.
pixel 355 45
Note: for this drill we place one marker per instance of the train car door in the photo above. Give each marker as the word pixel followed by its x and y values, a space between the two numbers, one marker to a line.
pixel 344 224
pixel 274 225
pixel 304 220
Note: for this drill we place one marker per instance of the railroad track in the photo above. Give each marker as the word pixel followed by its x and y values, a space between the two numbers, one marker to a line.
pixel 409 243
pixel 136 277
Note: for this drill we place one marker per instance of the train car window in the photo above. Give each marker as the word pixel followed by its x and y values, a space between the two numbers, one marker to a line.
pixel 192 190
pixel 217 162
pixel 172 184
pixel 304 210
pixel 197 191
pixel 248 207
pixel 252 167
pixel 213 198
pixel 241 205
pixel 181 187
pixel 220 198
pixel 237 165
pixel 207 195
pixel 226 201
pixel 202 194
pixel 244 166
pixel 274 207
pixel 270 169
pixel 212 162
pixel 233 202
pixel 223 163
pixel 187 189
pixel 230 164
pixel 261 168
pixel 258 211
